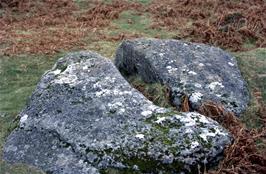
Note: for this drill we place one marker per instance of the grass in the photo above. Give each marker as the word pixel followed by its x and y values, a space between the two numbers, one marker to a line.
pixel 145 2
pixel 131 23
pixel 19 76
pixel 17 169
pixel 156 92
pixel 105 48
pixel 253 67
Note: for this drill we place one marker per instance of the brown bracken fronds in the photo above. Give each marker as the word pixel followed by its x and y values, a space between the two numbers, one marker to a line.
pixel 236 25
pixel 185 104
pixel 243 156
pixel 48 26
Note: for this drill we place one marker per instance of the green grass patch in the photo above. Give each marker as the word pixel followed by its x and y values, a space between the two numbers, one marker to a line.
pixel 253 67
pixel 134 24
pixel 19 76
pixel 17 169
pixel 144 2
pixel 105 48
pixel 156 92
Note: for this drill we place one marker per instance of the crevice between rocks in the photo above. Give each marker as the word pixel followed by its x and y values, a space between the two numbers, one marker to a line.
pixel 158 93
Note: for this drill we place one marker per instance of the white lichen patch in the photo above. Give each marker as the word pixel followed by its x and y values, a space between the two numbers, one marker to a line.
pixel 84 88
pixel 218 131
pixel 206 133
pixel 186 119
pixel 201 64
pixel 146 113
pixel 140 136
pixel 160 120
pixel 195 97
pixel 203 119
pixel 115 105
pixel 152 107
pixel 173 70
pixel 168 67
pixel 85 67
pixel 194 144
pixel 122 110
pixel 213 85
pixel 23 118
pixel 197 85
pixel 67 79
pixel 103 92
pixel 200 118
pixel 97 85
pixel 57 71
pixel 161 110
pixel 231 64
pixel 116 92
pixel 125 93
pixel 184 70
pixel 188 131
pixel 192 73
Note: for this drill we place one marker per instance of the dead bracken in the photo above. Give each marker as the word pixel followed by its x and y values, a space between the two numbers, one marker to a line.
pixel 53 25
pixel 236 25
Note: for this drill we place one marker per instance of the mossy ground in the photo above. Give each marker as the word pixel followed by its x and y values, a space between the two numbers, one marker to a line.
pixel 19 73
pixel 253 67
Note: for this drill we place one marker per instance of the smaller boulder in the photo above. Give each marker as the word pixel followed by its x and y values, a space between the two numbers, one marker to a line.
pixel 202 73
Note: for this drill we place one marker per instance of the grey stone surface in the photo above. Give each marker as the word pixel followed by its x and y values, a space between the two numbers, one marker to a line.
pixel 201 72
pixel 84 117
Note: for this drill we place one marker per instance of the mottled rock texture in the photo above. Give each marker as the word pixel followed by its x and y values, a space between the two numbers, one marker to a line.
pixel 202 73
pixel 84 117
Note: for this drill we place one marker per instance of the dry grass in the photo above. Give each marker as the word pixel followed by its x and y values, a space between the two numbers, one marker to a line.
pixel 48 26
pixel 243 156
pixel 236 25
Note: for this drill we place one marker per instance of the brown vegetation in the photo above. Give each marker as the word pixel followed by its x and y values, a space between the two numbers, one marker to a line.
pixel 46 26
pixel 243 156
pixel 228 24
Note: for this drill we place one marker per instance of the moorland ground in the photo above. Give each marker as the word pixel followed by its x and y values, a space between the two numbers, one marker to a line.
pixel 34 34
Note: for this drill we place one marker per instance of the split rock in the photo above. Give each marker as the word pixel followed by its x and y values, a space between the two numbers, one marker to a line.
pixel 202 73
pixel 84 117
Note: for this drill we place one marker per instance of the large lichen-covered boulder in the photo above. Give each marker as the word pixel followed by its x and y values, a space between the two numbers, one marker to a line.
pixel 202 73
pixel 84 117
